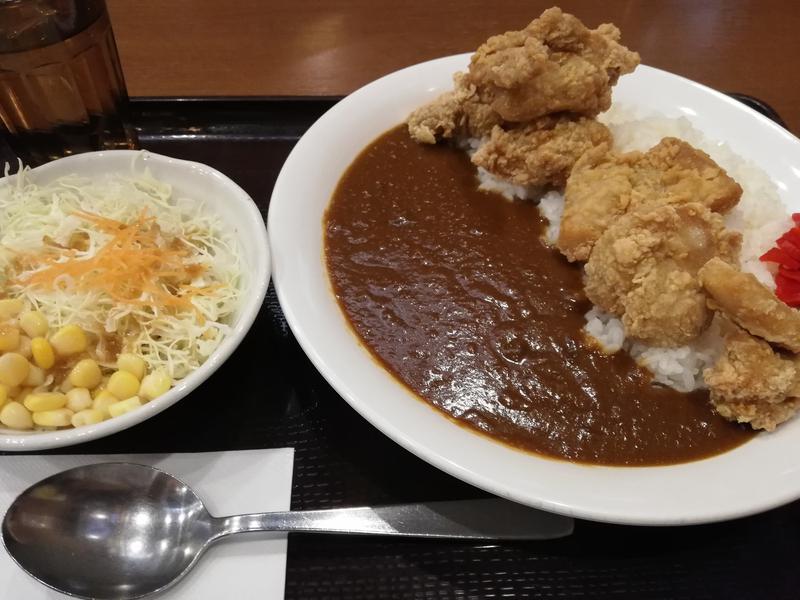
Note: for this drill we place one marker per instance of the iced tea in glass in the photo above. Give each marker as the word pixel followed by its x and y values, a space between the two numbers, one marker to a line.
pixel 61 85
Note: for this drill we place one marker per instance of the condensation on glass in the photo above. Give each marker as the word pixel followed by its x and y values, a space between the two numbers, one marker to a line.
pixel 61 85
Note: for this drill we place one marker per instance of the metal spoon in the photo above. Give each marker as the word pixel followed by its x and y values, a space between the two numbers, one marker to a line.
pixel 121 531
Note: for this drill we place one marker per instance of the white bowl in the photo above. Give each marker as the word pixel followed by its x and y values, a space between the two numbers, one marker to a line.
pixel 238 213
pixel 761 474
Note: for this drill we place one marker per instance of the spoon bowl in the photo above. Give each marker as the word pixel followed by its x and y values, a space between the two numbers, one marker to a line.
pixel 119 531
pixel 106 541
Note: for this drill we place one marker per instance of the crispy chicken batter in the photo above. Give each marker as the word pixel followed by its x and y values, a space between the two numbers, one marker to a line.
pixel 750 304
pixel 459 112
pixel 555 64
pixel 531 92
pixel 541 152
pixel 751 383
pixel 604 185
pixel 644 269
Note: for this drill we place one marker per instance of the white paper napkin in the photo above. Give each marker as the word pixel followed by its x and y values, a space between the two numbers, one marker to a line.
pixel 244 567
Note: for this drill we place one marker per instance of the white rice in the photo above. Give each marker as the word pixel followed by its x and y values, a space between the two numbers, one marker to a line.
pixel 760 216
pixel 551 204
pixel 510 191
pixel 606 329
pixel 551 207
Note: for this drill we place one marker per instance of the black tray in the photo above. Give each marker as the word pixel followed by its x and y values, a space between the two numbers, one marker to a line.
pixel 269 395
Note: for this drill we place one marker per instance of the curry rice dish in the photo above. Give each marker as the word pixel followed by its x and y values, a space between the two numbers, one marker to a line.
pixel 459 293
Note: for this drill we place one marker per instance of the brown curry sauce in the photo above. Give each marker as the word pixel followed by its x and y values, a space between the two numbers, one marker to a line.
pixel 454 293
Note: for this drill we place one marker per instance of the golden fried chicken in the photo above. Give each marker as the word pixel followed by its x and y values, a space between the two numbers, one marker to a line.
pixel 441 118
pixel 541 152
pixel 604 185
pixel 531 93
pixel 750 382
pixel 555 64
pixel 457 113
pixel 644 269
pixel 598 191
pixel 750 304
pixel 678 169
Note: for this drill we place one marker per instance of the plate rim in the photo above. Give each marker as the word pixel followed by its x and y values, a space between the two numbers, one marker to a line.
pixel 445 463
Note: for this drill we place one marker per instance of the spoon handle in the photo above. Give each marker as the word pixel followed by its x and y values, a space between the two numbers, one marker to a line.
pixel 490 518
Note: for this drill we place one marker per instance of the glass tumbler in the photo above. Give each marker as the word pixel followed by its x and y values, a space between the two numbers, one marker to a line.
pixel 61 85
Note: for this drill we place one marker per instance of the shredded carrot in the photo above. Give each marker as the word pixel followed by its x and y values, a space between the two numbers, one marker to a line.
pixel 135 267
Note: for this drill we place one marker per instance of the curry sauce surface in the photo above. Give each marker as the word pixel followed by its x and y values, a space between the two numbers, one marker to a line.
pixel 454 293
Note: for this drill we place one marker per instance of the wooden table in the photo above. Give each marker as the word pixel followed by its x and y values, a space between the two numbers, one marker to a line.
pixel 331 47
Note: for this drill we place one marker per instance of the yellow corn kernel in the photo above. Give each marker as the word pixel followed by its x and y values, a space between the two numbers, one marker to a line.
pixel 124 406
pixel 123 385
pixel 16 416
pixel 103 400
pixel 34 323
pixel 13 369
pixel 154 384
pixel 4 395
pixel 9 338
pixel 42 352
pixel 10 308
pixel 79 399
pixel 87 416
pixel 44 401
pixel 132 364
pixel 70 339
pixel 35 376
pixel 86 374
pixel 59 417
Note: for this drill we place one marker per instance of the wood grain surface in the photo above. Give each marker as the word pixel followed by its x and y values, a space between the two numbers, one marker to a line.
pixel 331 47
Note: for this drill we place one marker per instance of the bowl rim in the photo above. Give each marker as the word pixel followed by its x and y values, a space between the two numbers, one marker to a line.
pixel 258 282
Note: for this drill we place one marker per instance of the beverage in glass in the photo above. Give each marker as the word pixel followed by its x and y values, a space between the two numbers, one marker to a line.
pixel 61 85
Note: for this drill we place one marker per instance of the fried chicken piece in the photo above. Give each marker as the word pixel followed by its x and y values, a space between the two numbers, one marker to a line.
pixel 644 269
pixel 438 119
pixel 459 112
pixel 604 185
pixel 598 191
pixel 750 304
pixel 794 390
pixel 519 92
pixel 555 64
pixel 538 153
pixel 750 382
pixel 541 152
pixel 680 170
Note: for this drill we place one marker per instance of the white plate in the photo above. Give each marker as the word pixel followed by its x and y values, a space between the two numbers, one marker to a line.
pixel 238 213
pixel 761 474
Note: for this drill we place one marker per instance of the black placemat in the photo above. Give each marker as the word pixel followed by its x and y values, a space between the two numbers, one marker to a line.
pixel 269 395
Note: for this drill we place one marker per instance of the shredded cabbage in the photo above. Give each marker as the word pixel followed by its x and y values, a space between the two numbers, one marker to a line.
pixel 176 340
